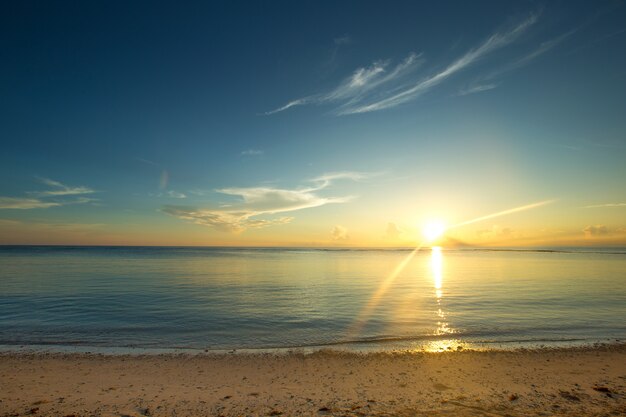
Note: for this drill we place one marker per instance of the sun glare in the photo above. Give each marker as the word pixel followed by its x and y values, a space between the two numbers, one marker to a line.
pixel 433 230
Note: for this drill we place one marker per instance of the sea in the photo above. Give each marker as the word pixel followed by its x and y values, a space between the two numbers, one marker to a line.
pixel 218 299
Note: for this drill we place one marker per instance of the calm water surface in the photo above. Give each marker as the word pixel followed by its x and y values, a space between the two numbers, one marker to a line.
pixel 218 298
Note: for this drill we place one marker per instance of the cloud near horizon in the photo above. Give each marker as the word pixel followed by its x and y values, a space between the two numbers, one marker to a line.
pixel 25 203
pixel 339 233
pixel 596 230
pixel 50 198
pixel 381 86
pixel 259 201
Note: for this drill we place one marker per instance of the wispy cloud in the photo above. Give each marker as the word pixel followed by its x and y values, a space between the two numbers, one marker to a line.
pixel 252 152
pixel 339 43
pixel 343 40
pixel 483 81
pixel 294 103
pixel 598 40
pixel 477 89
pixel 606 205
pixel 25 203
pixel 17 203
pixel 542 49
pixel 223 220
pixel 57 196
pixel 262 201
pixel 378 87
pixel 176 194
pixel 361 84
pixel 276 200
pixel 325 180
pixel 169 194
pixel 494 42
pixel 147 161
pixel 60 189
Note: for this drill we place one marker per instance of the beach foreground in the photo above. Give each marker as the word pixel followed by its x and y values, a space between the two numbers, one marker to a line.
pixel 574 381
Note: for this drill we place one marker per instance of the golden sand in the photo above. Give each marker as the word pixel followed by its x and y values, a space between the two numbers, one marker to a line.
pixel 575 381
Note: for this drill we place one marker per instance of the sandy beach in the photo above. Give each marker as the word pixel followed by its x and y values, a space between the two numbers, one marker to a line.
pixel 574 381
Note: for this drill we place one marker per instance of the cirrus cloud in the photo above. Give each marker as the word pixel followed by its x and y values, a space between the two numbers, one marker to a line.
pixel 361 85
pixel 256 202
pixel 60 189
pixel 25 203
pixel 59 195
pixel 380 85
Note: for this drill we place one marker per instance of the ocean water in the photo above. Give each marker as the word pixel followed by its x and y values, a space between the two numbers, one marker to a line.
pixel 225 298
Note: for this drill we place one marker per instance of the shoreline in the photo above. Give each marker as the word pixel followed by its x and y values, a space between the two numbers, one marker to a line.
pixel 578 381
pixel 357 347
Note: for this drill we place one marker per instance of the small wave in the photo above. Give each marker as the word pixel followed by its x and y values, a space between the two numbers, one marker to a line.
pixel 475 338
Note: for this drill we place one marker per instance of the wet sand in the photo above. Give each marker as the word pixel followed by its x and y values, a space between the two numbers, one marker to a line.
pixel 575 381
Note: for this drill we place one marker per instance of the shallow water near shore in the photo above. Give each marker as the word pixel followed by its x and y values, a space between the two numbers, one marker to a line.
pixel 219 299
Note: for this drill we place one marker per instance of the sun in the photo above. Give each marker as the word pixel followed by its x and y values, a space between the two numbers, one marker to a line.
pixel 433 230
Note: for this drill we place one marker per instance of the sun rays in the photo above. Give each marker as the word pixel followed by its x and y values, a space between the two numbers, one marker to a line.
pixel 432 231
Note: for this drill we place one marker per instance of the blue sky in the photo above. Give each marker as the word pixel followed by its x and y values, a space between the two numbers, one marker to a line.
pixel 315 123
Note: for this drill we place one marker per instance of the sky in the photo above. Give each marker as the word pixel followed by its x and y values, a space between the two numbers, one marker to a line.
pixel 283 123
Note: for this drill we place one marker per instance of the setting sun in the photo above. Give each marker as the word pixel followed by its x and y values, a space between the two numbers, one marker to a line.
pixel 433 230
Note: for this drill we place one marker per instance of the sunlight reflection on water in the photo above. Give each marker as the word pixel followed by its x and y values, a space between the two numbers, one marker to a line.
pixel 246 298
pixel 436 262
